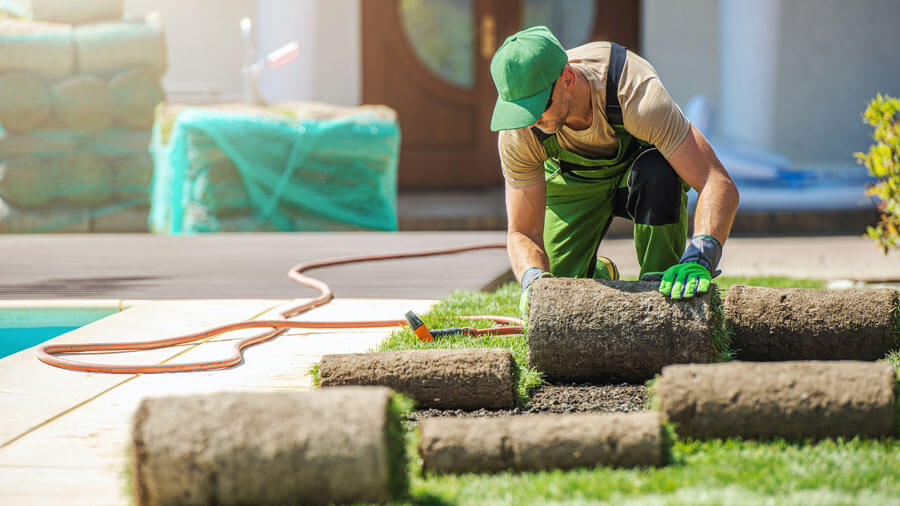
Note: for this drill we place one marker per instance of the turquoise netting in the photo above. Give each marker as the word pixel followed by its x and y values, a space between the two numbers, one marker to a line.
pixel 220 171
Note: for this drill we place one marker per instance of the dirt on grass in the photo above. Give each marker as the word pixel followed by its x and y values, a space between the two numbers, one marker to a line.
pixel 580 398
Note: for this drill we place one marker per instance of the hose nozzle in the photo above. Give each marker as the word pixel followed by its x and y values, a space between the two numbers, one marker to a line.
pixel 418 327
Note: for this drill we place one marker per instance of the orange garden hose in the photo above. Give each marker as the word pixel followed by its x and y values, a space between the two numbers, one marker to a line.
pixel 48 353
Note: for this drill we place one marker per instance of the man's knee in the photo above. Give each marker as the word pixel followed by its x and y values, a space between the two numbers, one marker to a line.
pixel 654 190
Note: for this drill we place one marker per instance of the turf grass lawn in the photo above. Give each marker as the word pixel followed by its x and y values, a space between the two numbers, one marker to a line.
pixel 830 471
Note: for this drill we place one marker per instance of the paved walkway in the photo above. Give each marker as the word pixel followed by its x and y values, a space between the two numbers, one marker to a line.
pixel 242 266
pixel 143 266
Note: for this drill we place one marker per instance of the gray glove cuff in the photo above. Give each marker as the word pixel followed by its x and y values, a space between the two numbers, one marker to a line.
pixel 530 275
pixel 705 250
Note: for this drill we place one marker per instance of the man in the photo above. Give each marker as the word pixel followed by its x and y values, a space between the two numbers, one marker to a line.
pixel 589 134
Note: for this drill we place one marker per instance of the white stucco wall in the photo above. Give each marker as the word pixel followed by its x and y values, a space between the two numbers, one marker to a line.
pixel 680 40
pixel 329 67
pixel 204 43
pixel 832 57
pixel 836 55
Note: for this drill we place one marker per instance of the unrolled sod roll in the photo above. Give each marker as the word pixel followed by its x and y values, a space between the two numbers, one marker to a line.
pixel 779 399
pixel 540 442
pixel 446 379
pixel 24 103
pixel 82 103
pixel 330 446
pixel 810 324
pixel 135 94
pixel 43 49
pixel 107 48
pixel 587 330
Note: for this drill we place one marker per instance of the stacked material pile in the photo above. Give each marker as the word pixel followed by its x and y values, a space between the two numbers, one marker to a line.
pixel 294 166
pixel 76 106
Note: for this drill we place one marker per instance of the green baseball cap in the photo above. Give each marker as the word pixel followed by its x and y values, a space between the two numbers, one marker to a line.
pixel 524 69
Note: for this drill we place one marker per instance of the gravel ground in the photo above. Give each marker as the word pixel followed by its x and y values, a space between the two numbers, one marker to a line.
pixel 584 398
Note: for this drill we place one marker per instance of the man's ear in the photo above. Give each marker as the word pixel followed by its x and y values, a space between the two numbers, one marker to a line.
pixel 568 76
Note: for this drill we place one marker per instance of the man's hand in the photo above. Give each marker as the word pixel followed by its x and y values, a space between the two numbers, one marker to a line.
pixel 683 281
pixel 528 279
pixel 693 275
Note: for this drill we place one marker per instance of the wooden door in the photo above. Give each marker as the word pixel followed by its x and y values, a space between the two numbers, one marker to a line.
pixel 430 60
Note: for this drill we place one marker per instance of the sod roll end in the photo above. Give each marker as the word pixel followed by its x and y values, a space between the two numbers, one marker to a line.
pixel 540 442
pixel 810 324
pixel 589 330
pixel 316 447
pixel 480 378
pixel 779 399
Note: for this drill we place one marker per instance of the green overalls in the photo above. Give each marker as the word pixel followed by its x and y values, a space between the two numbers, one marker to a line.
pixel 584 194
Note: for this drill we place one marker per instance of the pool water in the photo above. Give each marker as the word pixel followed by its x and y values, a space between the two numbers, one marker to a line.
pixel 13 340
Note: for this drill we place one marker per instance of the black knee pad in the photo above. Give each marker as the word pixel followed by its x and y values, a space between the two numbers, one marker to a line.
pixel 654 190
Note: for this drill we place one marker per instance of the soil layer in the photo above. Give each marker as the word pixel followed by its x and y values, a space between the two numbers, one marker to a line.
pixel 779 399
pixel 809 324
pixel 588 330
pixel 209 449
pixel 447 379
pixel 540 442
pixel 584 398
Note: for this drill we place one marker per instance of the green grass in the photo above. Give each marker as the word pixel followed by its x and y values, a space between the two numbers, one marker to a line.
pixel 895 315
pixel 831 471
pixel 721 335
pixel 398 458
pixel 709 472
pixel 503 302
pixel 726 282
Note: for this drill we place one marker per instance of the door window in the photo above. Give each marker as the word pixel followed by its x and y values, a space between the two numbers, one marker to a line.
pixel 442 34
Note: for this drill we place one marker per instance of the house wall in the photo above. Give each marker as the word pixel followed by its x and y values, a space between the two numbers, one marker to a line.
pixel 205 51
pixel 836 56
pixel 204 42
pixel 833 56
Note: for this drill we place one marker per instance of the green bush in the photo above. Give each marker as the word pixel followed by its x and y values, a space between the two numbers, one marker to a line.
pixel 883 162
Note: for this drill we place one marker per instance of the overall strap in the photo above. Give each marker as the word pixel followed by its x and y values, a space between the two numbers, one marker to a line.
pixel 617 56
pixel 572 161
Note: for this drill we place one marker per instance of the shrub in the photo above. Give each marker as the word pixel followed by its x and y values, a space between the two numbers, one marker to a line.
pixel 883 162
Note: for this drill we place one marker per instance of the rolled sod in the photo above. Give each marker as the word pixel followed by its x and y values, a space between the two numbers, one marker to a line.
pixel 809 324
pixel 541 442
pixel 82 103
pixel 24 103
pixel 338 445
pixel 779 399
pixel 445 379
pixel 588 330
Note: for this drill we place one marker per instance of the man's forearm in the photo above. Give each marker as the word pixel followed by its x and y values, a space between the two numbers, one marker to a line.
pixel 716 207
pixel 525 252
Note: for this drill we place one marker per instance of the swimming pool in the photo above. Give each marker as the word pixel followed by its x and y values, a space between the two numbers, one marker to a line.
pixel 24 324
pixel 13 340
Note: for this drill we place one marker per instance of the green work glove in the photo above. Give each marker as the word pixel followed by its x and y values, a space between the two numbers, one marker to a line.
pixel 693 274
pixel 528 278
pixel 683 281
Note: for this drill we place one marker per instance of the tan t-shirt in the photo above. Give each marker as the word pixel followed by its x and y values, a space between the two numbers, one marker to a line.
pixel 648 111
